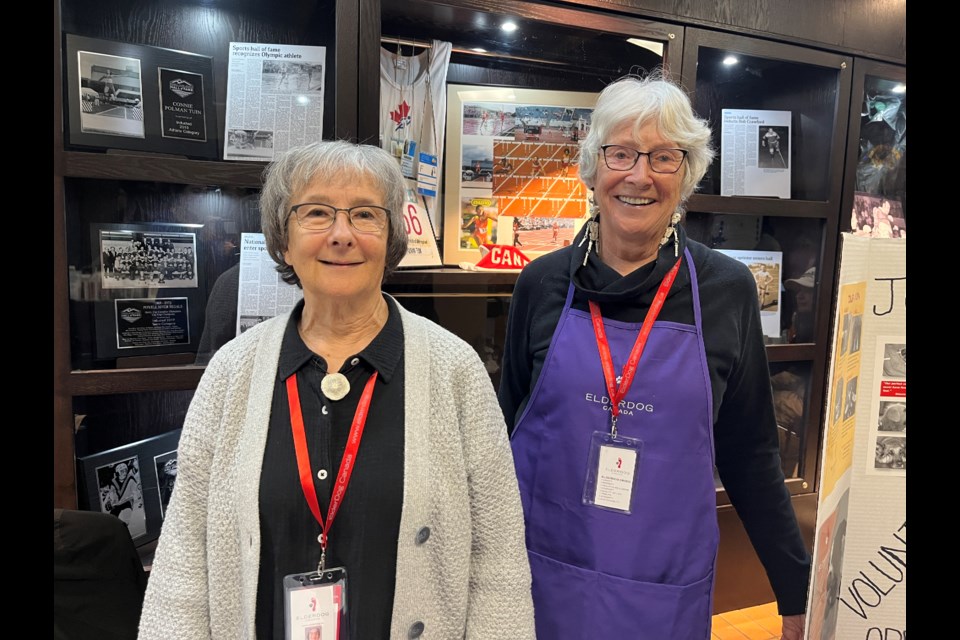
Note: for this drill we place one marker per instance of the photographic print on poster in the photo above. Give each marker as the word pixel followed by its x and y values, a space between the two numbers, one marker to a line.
pixel 850 399
pixel 895 360
pixel 891 453
pixel 893 416
pixel 140 98
pixel 517 149
pixel 824 598
pixel 163 260
pixel 478 221
pixel 124 482
pixel 111 94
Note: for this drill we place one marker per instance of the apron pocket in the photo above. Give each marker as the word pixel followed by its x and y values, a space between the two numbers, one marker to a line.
pixel 571 603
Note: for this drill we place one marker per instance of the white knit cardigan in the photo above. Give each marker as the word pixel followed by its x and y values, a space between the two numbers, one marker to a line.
pixel 470 579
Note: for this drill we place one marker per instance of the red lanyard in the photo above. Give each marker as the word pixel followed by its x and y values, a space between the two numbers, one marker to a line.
pixel 630 368
pixel 346 464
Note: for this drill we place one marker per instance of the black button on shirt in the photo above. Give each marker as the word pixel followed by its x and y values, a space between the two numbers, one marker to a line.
pixel 364 535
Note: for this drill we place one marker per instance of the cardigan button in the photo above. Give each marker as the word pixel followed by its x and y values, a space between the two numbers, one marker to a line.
pixel 416 630
pixel 423 535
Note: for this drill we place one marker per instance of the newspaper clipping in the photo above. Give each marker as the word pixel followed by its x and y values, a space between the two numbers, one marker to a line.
pixel 262 294
pixel 755 153
pixel 765 267
pixel 274 99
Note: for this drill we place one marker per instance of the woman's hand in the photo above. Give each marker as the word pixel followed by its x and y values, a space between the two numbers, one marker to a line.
pixel 792 627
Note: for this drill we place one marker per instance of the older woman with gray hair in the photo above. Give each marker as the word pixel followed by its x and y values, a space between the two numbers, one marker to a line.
pixel 634 363
pixel 345 465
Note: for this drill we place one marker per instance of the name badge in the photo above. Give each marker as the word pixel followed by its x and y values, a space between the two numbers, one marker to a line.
pixel 612 469
pixel 316 605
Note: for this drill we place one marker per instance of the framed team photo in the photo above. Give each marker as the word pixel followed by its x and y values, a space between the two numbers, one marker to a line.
pixel 133 482
pixel 512 170
pixel 152 293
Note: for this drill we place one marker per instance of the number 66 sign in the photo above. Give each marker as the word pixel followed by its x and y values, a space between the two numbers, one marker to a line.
pixel 421 244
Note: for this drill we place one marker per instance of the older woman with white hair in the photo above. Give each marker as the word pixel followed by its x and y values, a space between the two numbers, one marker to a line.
pixel 634 363
pixel 345 465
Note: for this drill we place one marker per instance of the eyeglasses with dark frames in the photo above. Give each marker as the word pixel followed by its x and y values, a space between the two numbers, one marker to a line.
pixel 620 158
pixel 316 216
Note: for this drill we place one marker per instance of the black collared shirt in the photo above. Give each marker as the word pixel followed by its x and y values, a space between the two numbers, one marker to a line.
pixel 363 538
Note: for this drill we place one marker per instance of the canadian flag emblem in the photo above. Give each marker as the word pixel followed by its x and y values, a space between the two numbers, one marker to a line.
pixel 501 256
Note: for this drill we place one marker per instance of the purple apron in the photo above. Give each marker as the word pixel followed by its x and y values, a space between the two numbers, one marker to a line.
pixel 602 574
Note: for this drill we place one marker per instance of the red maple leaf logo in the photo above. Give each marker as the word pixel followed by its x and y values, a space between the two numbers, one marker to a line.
pixel 401 115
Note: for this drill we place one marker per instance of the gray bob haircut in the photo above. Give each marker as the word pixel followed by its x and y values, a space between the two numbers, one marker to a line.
pixel 639 101
pixel 334 160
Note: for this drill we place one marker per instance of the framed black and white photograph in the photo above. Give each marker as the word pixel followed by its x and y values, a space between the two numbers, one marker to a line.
pixel 111 96
pixel 165 465
pixel 132 482
pixel 140 98
pixel 152 294
pixel 161 259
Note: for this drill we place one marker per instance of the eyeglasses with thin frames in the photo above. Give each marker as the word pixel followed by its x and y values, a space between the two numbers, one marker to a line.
pixel 316 216
pixel 620 158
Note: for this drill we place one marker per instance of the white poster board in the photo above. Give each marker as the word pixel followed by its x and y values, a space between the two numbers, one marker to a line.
pixel 755 153
pixel 274 99
pixel 859 579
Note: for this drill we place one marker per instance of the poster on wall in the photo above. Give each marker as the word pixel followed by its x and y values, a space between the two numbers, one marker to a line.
pixel 139 98
pixel 755 153
pixel 512 170
pixel 859 575
pixel 274 99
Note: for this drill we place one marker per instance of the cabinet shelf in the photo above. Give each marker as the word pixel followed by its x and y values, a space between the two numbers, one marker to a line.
pixel 156 168
pixel 115 381
pixel 450 281
pixel 760 206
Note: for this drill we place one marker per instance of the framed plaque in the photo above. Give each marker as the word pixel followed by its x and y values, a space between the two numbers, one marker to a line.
pixel 139 98
pixel 151 299
pixel 513 178
pixel 133 482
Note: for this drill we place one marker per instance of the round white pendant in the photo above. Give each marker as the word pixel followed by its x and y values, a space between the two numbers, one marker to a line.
pixel 335 386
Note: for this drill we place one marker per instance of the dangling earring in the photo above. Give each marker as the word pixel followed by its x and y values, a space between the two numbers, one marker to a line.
pixel 593 231
pixel 671 232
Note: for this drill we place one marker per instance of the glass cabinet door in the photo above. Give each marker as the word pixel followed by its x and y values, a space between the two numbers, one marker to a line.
pixel 789 95
pixel 772 200
pixel 875 202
